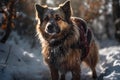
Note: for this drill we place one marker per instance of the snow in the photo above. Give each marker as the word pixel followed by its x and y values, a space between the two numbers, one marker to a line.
pixel 25 63
pixel 110 60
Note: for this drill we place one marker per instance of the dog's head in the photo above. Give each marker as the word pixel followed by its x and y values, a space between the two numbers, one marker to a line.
pixel 55 21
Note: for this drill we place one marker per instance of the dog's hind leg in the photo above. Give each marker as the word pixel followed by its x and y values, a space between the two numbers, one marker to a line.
pixel 92 59
pixel 92 66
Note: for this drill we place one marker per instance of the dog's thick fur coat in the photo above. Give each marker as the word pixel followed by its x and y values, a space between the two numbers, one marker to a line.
pixel 62 47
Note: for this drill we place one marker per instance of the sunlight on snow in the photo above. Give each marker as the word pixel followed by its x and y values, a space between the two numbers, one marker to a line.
pixel 29 54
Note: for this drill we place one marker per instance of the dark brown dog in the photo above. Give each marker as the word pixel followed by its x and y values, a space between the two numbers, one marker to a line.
pixel 66 41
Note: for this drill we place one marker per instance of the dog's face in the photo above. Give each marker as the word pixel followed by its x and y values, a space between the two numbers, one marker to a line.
pixel 54 22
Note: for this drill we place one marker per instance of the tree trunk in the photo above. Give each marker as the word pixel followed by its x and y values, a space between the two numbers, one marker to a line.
pixel 116 18
pixel 107 21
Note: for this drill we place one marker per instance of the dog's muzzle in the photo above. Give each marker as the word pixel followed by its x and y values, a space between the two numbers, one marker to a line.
pixel 52 29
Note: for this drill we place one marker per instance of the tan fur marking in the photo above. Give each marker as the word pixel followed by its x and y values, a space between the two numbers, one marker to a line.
pixel 63 25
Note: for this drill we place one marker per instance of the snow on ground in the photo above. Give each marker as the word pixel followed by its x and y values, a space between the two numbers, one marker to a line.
pixel 27 64
pixel 22 65
pixel 108 67
pixel 110 63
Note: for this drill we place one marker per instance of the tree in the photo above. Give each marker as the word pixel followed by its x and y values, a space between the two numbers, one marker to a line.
pixel 108 19
pixel 8 10
pixel 116 18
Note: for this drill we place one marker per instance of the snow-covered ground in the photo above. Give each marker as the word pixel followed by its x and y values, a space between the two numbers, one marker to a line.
pixel 25 63
pixel 110 63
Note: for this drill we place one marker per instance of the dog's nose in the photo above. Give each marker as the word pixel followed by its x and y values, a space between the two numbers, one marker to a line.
pixel 52 29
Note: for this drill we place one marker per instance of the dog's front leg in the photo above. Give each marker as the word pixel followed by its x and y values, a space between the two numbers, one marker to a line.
pixel 54 72
pixel 76 73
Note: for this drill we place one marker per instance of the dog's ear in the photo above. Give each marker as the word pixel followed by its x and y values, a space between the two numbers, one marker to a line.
pixel 40 10
pixel 66 7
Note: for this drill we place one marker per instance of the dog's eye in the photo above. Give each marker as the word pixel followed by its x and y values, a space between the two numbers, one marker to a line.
pixel 57 18
pixel 46 18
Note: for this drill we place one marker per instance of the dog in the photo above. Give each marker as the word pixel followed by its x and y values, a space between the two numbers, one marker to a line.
pixel 66 41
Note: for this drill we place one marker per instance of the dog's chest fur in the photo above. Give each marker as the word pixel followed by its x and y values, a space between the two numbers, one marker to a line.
pixel 56 54
pixel 64 59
